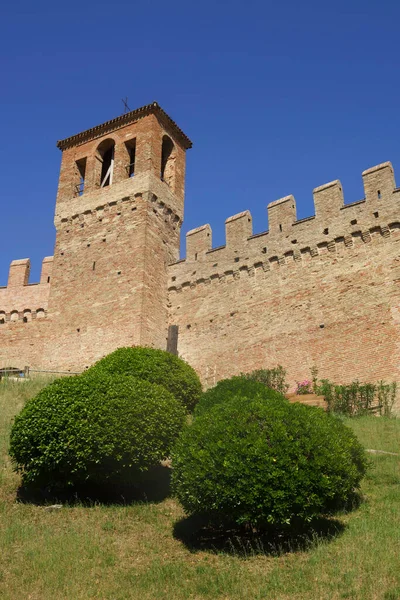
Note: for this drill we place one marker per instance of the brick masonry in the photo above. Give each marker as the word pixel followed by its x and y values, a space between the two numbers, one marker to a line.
pixel 320 291
pixel 108 285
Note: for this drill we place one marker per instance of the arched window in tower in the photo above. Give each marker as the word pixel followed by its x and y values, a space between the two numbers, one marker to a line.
pixel 106 156
pixel 80 172
pixel 131 153
pixel 168 161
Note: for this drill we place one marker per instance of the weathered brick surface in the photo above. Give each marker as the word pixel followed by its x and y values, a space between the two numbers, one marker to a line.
pixel 113 246
pixel 19 300
pixel 321 291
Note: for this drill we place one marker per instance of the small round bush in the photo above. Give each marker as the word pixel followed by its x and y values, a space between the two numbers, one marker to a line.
pixel 91 429
pixel 240 385
pixel 155 366
pixel 265 463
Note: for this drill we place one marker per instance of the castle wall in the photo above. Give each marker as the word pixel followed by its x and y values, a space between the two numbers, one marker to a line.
pixel 24 327
pixel 110 274
pixel 19 299
pixel 114 241
pixel 22 344
pixel 321 291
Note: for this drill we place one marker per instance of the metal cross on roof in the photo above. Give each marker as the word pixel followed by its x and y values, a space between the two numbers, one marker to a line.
pixel 125 103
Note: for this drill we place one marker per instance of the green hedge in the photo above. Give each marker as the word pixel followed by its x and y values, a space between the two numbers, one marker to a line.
pixel 273 378
pixel 91 428
pixel 265 463
pixel 358 398
pixel 155 366
pixel 226 389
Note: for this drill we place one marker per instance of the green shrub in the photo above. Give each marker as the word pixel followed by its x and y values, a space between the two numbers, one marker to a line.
pixel 226 389
pixel 155 366
pixel 358 398
pixel 265 463
pixel 272 378
pixel 94 428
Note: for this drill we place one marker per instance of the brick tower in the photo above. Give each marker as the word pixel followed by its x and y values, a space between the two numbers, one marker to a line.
pixel 118 216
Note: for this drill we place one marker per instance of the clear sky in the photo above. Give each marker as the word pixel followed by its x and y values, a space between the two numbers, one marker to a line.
pixel 278 98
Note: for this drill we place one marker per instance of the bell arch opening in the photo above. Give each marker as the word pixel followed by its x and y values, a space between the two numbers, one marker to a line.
pixel 105 154
pixel 168 156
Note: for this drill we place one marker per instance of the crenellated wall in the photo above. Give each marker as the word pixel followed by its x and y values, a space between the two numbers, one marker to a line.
pixel 24 326
pixel 20 300
pixel 318 291
pixel 118 215
pixel 322 291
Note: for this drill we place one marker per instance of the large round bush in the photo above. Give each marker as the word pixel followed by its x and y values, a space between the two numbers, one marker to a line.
pixel 265 463
pixel 240 385
pixel 94 428
pixel 155 366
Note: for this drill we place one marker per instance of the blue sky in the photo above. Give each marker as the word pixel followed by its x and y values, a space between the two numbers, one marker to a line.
pixel 278 98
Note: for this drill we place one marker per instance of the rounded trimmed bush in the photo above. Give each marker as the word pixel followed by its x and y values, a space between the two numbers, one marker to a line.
pixel 91 429
pixel 266 463
pixel 155 366
pixel 240 385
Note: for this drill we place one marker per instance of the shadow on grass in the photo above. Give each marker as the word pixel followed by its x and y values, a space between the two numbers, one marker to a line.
pixel 152 486
pixel 198 534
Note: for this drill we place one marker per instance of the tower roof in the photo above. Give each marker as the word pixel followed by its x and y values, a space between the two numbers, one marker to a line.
pixel 153 108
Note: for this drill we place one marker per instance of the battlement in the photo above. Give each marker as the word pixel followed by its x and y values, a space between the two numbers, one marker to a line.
pixel 19 272
pixel 21 300
pixel 289 238
pixel 321 290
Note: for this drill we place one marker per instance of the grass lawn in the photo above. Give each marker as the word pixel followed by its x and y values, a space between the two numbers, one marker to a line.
pixel 146 551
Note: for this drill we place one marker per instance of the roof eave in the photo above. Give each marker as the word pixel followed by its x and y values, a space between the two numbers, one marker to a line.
pixel 108 126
